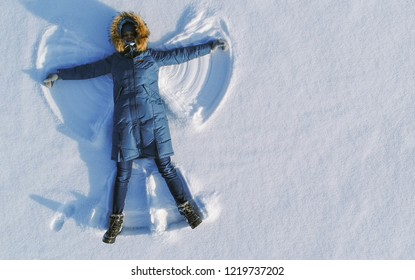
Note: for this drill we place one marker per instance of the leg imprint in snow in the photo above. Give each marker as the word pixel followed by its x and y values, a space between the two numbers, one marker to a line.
pixel 150 207
pixel 136 210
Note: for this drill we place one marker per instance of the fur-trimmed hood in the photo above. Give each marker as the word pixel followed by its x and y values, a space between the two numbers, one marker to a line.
pixel 141 29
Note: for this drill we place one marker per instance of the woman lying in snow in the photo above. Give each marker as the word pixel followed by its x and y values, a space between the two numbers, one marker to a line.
pixel 140 127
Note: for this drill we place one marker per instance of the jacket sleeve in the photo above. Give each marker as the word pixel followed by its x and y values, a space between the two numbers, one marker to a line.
pixel 180 55
pixel 86 71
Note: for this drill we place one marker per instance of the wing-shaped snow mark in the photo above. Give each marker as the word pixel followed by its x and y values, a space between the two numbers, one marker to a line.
pixel 195 90
pixel 80 106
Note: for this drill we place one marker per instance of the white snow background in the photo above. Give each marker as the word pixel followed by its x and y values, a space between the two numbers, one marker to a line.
pixel 297 143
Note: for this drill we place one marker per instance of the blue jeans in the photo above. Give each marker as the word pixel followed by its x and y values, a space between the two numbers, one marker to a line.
pixel 167 171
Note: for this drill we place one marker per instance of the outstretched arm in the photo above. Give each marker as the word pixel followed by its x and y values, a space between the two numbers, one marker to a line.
pixel 180 55
pixel 86 71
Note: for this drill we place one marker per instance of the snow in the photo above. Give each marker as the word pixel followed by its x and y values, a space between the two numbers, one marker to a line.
pixel 297 143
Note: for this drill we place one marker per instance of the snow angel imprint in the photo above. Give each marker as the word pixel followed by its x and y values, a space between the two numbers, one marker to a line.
pixel 140 128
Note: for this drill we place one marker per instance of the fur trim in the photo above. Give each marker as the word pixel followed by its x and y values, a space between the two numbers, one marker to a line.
pixel 141 29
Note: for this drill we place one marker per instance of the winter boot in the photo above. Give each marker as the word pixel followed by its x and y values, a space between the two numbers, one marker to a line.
pixel 115 227
pixel 190 213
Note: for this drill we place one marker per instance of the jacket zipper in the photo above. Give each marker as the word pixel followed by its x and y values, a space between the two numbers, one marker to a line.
pixel 135 113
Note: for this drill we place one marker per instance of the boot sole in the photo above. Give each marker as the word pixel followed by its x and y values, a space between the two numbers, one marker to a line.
pixel 195 224
pixel 108 240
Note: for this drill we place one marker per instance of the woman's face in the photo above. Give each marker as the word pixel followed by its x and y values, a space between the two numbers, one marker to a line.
pixel 129 36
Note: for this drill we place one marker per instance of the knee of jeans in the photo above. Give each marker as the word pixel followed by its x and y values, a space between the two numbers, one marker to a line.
pixel 167 170
pixel 123 177
pixel 122 180
pixel 123 172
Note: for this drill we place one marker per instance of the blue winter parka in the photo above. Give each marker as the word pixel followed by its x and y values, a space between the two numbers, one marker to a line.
pixel 140 127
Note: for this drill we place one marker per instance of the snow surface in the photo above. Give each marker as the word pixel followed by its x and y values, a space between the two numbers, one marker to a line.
pixel 297 143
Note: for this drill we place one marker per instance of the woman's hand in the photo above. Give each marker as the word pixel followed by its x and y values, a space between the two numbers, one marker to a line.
pixel 50 80
pixel 220 44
